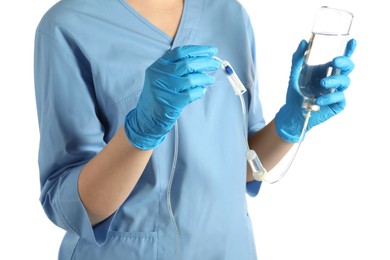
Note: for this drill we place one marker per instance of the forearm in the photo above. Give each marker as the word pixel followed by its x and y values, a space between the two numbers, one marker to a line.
pixel 107 180
pixel 269 147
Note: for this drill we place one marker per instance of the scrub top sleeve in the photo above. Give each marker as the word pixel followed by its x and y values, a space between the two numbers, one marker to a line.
pixel 256 119
pixel 70 130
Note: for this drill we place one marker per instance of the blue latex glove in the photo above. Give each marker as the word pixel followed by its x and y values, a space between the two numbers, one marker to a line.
pixel 173 81
pixel 290 118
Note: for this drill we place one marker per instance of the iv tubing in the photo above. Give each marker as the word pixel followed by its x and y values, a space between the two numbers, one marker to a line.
pixel 258 171
pixel 245 114
pixel 307 117
pixel 253 160
pixel 169 188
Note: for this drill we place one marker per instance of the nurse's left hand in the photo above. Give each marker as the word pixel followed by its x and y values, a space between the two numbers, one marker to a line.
pixel 290 118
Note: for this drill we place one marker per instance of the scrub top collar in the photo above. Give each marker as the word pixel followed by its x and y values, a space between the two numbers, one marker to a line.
pixel 187 27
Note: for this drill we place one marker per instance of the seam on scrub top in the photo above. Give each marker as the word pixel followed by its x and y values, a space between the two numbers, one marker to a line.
pixel 159 206
pixel 71 171
pixel 74 248
pixel 132 235
pixel 131 98
pixel 47 35
pixel 75 230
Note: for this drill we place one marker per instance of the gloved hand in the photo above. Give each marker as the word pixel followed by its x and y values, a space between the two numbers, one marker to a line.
pixel 290 118
pixel 173 81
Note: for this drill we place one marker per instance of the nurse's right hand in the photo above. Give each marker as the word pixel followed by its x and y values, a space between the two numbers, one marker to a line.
pixel 173 81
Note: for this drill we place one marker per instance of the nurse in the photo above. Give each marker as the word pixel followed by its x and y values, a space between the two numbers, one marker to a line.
pixel 141 153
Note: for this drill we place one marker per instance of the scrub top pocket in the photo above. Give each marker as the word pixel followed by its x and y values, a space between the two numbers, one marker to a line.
pixel 128 103
pixel 120 246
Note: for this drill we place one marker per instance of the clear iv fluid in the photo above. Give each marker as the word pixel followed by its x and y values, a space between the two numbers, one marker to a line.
pixel 310 78
pixel 323 47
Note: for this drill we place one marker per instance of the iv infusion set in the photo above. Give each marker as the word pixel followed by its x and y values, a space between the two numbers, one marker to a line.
pixel 330 34
pixel 258 170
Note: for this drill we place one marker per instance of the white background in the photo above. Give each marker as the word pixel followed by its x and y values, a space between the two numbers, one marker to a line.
pixel 332 204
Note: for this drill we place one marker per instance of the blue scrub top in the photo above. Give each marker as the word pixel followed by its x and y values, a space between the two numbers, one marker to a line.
pixel 90 59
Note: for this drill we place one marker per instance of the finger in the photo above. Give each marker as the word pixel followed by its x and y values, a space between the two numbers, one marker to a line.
pixel 300 51
pixel 344 64
pixel 349 50
pixel 193 65
pixel 195 94
pixel 190 51
pixel 192 81
pixel 339 82
pixel 298 58
pixel 331 98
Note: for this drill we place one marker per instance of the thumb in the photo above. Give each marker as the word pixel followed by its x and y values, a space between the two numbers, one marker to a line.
pixel 298 58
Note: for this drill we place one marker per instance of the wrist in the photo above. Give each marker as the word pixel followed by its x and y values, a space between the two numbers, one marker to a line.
pixel 288 123
pixel 140 137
